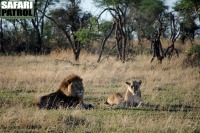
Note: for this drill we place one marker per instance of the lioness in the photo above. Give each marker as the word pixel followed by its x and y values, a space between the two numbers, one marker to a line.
pixel 132 96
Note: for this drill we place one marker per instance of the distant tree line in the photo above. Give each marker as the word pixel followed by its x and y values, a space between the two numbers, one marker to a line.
pixel 66 25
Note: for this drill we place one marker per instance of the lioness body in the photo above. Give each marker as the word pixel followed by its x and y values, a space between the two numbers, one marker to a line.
pixel 131 99
pixel 115 99
pixel 132 96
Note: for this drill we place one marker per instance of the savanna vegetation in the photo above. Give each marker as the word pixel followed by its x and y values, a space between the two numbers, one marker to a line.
pixel 143 41
pixel 170 90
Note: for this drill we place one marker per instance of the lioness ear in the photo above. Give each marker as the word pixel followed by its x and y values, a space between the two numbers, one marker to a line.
pixel 129 84
pixel 140 82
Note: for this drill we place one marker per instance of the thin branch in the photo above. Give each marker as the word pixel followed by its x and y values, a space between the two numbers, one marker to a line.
pixel 109 9
pixel 66 34
pixel 104 41
pixel 108 53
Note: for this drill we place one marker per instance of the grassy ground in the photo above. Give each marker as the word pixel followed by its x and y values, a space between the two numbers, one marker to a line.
pixel 171 92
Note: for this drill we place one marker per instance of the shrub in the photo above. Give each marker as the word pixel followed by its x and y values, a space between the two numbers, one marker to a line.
pixel 193 56
pixel 194 50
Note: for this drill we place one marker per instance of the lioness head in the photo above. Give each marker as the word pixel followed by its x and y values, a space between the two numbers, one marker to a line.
pixel 135 86
pixel 72 86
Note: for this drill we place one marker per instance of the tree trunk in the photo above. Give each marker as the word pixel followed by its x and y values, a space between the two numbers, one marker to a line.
pixel 104 42
pixel 35 22
pixel 38 46
pixel 1 38
pixel 76 54
pixel 118 37
pixel 77 49
pixel 124 50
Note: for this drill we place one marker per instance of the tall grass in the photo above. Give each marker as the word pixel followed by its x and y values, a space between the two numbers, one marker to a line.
pixel 172 93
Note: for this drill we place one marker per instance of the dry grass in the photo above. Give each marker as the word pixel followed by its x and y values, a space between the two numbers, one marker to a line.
pixel 171 92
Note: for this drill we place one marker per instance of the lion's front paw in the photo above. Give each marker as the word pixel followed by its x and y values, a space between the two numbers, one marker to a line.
pixel 87 106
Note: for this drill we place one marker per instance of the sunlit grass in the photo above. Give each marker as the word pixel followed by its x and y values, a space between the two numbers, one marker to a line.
pixel 171 94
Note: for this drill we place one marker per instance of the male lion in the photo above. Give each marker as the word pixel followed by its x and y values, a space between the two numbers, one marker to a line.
pixel 70 94
pixel 132 96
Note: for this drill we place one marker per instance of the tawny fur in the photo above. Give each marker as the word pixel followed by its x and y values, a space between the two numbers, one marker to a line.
pixel 132 96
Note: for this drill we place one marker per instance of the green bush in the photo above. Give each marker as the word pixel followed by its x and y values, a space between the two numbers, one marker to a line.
pixel 193 56
pixel 194 49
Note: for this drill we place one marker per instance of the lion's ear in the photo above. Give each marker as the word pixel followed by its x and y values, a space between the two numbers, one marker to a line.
pixel 140 82
pixel 67 83
pixel 128 83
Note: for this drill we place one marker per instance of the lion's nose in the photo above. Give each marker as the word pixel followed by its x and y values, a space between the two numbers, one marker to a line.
pixel 80 94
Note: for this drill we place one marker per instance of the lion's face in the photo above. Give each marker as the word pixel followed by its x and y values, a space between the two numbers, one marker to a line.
pixel 72 86
pixel 76 89
pixel 136 85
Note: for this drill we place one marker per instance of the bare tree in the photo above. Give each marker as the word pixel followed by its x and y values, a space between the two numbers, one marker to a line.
pixel 38 21
pixel 175 32
pixel 104 41
pixel 120 26
pixel 156 44
pixel 173 22
pixel 69 20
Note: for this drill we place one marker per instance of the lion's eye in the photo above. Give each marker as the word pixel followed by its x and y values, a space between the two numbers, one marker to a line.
pixel 132 86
